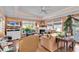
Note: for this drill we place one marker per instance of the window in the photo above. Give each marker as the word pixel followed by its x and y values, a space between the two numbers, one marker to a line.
pixel 28 24
pixel 2 24
pixel 57 26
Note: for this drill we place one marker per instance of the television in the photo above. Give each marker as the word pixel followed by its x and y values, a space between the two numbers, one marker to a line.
pixel 13 23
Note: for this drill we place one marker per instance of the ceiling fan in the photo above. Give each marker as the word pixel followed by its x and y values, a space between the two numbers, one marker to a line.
pixel 43 9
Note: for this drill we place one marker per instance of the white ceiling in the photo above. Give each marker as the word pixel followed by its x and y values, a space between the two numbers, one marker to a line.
pixel 34 12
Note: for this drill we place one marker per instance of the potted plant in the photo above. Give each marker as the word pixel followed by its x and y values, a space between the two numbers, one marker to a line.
pixel 68 24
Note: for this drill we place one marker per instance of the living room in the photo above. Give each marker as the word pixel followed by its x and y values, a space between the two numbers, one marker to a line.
pixel 39 28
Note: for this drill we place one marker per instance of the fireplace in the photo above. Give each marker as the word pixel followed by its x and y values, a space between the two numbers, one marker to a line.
pixel 42 31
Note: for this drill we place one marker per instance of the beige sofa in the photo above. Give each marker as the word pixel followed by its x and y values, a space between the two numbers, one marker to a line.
pixel 49 43
pixel 29 44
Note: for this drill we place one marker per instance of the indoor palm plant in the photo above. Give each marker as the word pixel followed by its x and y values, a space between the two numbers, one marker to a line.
pixel 68 24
